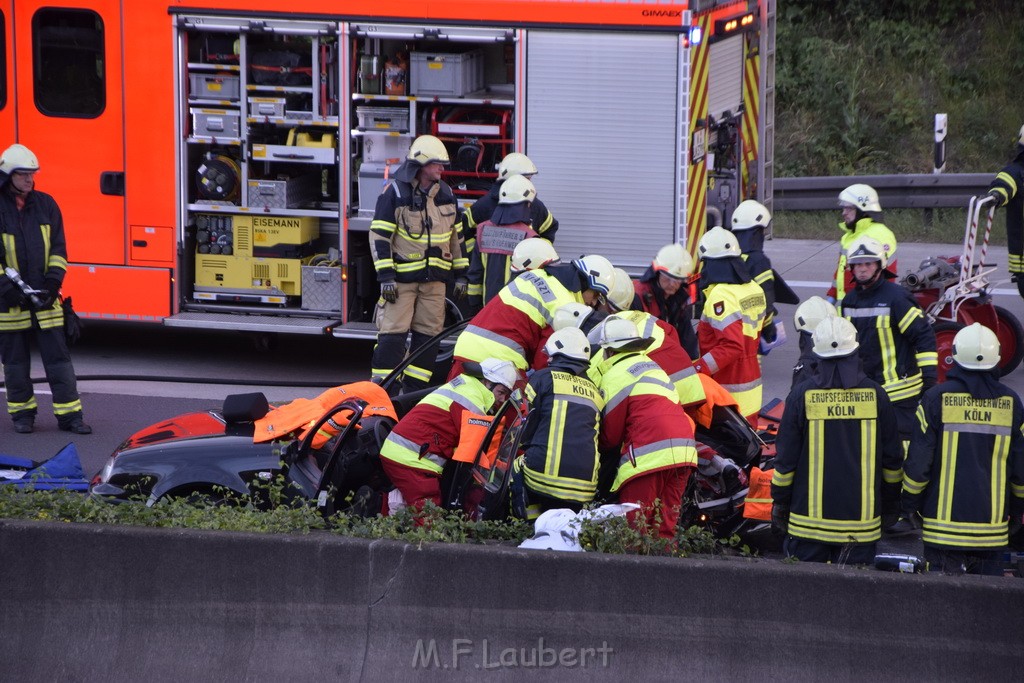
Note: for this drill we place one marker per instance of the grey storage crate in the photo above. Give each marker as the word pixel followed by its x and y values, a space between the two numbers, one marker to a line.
pixel 321 288
pixel 284 194
pixel 213 86
pixel 443 74
pixel 383 119
pixel 216 123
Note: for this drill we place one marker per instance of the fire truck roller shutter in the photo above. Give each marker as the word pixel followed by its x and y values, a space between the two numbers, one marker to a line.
pixel 725 76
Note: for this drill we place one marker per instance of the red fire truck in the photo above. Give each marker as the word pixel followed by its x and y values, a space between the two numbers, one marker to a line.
pixel 218 161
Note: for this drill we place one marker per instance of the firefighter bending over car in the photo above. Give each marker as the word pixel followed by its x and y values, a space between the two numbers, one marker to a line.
pixel 729 330
pixel 559 465
pixel 897 343
pixel 513 325
pixel 417 248
pixel 837 467
pixel 643 427
pixel 964 471
pixel 415 452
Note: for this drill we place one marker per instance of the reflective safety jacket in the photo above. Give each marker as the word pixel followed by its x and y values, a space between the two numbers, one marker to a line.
pixel 642 417
pixel 761 271
pixel 541 220
pixel 560 436
pixel 897 344
pixel 436 421
pixel 1009 184
pixel 510 326
pixel 837 462
pixel 842 280
pixel 729 332
pixel 670 356
pixel 31 242
pixel 490 261
pixel 415 236
pixel 965 460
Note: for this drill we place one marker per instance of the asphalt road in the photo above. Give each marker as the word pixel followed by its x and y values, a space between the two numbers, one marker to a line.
pixel 117 407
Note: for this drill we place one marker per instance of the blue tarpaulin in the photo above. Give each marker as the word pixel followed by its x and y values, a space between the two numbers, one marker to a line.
pixel 62 471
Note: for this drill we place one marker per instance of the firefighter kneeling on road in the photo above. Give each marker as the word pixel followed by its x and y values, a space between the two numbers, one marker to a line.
pixel 416 451
pixel 729 330
pixel 965 467
pixel 643 425
pixel 560 462
pixel 837 468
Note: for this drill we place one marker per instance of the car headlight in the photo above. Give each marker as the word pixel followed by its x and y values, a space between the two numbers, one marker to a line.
pixel 107 469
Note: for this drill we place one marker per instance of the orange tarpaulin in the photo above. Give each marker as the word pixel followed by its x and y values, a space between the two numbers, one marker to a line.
pixel 302 413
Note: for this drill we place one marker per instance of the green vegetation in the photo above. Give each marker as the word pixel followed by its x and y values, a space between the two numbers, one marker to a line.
pixel 858 86
pixel 272 510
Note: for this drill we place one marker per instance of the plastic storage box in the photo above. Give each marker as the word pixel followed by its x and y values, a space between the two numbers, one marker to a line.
pixel 216 123
pixel 443 74
pixel 213 86
pixel 379 147
pixel 383 118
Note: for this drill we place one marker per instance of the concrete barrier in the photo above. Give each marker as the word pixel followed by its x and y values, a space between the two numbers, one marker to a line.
pixel 87 602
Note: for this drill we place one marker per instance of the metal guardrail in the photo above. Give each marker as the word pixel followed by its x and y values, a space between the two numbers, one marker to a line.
pixel 910 191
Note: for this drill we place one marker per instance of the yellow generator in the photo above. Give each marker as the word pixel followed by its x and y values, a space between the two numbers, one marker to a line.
pixel 252 258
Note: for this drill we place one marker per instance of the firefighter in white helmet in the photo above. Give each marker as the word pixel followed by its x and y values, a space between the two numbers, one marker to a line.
pixel 750 221
pixel 729 330
pixel 664 292
pixel 964 472
pixel 515 324
pixel 417 248
pixel 541 220
pixel 808 315
pixel 646 440
pixel 425 439
pixel 531 254
pixel 897 343
pixel 559 465
pixel 837 468
pixel 1007 190
pixel 490 267
pixel 33 254
pixel 860 209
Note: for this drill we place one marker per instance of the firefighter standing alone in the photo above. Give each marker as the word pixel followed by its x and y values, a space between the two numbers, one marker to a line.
pixel 33 245
pixel 1007 190
pixel 417 249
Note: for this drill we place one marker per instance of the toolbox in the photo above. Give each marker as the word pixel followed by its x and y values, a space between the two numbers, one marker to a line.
pixel 380 147
pixel 266 106
pixel 321 288
pixel 383 118
pixel 286 193
pixel 444 74
pixel 215 123
pixel 213 86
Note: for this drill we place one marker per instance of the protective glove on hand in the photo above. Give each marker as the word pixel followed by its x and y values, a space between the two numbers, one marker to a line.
pixel 459 290
pixel 995 196
pixel 1015 525
pixel 51 289
pixel 780 520
pixel 12 296
pixel 389 291
pixel 929 378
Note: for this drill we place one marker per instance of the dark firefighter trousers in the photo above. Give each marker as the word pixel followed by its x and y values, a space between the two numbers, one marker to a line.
pixel 15 353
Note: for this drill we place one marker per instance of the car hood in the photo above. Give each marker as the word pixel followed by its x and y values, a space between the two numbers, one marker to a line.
pixel 185 427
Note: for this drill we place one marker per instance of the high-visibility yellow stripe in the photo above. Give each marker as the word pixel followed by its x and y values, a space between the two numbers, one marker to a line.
pixel 815 461
pixel 555 431
pixel 868 462
pixel 950 442
pixel 1000 454
pixel 887 346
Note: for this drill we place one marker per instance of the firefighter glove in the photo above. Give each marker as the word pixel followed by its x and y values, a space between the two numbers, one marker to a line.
pixel 1019 279
pixel 51 288
pixel 1015 524
pixel 473 304
pixel 389 291
pixel 780 519
pixel 929 377
pixel 996 197
pixel 12 296
pixel 908 523
pixel 459 290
